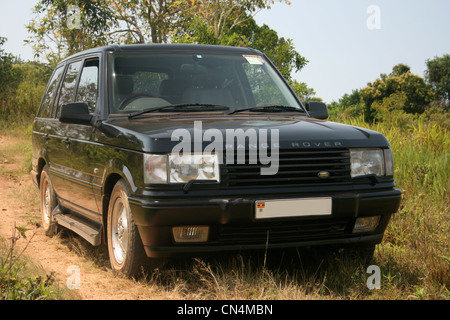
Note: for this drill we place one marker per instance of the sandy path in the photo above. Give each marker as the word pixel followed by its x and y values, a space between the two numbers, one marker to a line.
pixel 63 255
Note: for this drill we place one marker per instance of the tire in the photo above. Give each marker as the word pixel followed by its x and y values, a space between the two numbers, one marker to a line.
pixel 125 248
pixel 48 202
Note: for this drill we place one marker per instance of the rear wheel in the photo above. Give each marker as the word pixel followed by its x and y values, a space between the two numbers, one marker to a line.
pixel 126 252
pixel 48 203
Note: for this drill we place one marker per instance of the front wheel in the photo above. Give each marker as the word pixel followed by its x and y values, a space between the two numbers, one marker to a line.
pixel 126 252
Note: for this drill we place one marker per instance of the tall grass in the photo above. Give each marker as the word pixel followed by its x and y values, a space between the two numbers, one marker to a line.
pixel 416 250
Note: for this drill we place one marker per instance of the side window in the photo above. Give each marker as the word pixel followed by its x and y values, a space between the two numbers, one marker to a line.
pixel 47 101
pixel 88 86
pixel 68 88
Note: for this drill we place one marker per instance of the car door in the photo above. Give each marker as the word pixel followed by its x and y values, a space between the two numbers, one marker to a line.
pixel 58 146
pixel 82 150
pixel 73 180
pixel 45 124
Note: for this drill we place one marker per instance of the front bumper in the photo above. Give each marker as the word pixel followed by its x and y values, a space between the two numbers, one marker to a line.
pixel 233 225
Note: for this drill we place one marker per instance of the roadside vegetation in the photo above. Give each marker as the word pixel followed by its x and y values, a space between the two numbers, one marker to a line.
pixel 410 110
pixel 21 279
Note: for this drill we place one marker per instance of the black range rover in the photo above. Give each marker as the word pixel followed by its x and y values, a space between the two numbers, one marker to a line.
pixel 159 150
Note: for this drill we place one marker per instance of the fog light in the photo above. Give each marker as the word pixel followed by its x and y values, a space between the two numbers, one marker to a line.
pixel 190 233
pixel 366 224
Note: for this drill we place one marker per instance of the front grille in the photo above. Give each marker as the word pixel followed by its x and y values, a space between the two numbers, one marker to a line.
pixel 296 168
pixel 284 232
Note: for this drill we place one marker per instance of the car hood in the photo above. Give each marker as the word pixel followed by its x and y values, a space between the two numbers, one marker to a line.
pixel 162 134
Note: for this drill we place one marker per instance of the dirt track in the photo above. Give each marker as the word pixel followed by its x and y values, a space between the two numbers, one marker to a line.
pixel 19 205
pixel 59 254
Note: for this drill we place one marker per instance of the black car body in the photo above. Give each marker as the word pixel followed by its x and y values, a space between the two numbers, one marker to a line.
pixel 103 155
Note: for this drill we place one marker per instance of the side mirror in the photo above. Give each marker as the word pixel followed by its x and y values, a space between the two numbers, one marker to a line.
pixel 75 112
pixel 317 110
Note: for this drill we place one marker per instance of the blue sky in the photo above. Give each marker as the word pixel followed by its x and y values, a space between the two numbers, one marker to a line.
pixel 343 53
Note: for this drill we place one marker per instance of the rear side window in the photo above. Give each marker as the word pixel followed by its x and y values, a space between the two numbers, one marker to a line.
pixel 88 86
pixel 45 110
pixel 68 87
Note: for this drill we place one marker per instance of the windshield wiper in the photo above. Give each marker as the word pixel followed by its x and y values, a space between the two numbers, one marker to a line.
pixel 190 107
pixel 274 108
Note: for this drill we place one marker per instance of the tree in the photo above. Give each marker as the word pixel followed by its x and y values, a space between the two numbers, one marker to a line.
pixel 224 22
pixel 417 93
pixel 349 105
pixel 438 76
pixel 223 16
pixel 400 69
pixel 247 33
pixel 280 50
pixel 304 92
pixel 21 85
pixel 53 38
pixel 143 21
pixel 9 77
pixel 227 22
pixel 6 68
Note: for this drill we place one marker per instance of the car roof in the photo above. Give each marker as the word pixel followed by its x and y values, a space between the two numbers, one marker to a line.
pixel 191 48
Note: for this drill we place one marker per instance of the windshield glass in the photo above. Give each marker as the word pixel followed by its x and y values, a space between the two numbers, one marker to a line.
pixel 153 80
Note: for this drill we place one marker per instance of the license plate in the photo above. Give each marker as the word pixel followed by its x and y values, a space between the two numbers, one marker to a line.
pixel 265 209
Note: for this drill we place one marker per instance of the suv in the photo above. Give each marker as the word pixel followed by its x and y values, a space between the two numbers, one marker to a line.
pixel 162 150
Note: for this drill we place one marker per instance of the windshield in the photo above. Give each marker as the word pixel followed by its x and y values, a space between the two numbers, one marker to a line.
pixel 154 80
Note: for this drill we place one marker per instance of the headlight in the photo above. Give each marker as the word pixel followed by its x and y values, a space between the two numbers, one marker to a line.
pixel 184 168
pixel 155 168
pixel 175 168
pixel 371 162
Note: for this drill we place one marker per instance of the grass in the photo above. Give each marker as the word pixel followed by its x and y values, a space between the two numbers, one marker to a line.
pixel 21 278
pixel 414 257
pixel 15 147
pixel 415 251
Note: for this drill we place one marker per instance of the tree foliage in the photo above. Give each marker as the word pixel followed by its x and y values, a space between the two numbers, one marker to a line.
pixel 438 76
pixel 224 16
pixel 53 36
pixel 227 22
pixel 9 77
pixel 398 98
pixel 21 85
pixel 416 92
pixel 222 22
pixel 144 21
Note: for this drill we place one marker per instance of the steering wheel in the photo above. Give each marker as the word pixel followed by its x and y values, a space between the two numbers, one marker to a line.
pixel 133 97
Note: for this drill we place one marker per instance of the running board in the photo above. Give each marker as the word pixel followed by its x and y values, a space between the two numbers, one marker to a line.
pixel 78 225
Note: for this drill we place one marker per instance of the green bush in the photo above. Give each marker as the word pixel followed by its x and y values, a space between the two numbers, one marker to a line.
pixel 22 87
